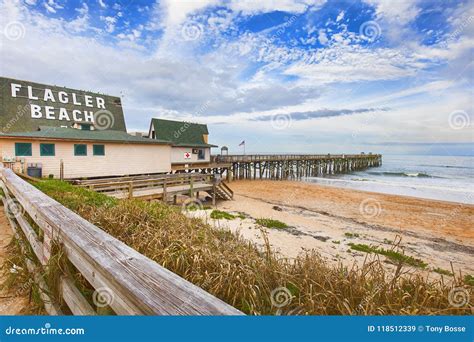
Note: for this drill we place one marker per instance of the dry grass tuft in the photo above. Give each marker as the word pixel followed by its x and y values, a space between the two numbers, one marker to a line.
pixel 244 276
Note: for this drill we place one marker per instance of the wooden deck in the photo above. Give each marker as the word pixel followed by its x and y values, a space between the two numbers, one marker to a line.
pixel 164 187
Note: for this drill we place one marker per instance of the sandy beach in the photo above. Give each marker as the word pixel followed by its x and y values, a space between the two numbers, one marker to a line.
pixel 328 219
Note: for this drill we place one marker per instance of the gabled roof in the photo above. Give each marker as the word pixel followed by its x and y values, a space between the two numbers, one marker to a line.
pixel 63 133
pixel 180 133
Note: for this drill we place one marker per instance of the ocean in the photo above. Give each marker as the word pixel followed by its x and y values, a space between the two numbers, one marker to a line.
pixel 446 178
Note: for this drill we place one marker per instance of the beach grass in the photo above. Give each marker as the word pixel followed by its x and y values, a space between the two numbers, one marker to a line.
pixel 271 223
pixel 219 215
pixel 245 275
pixel 351 235
pixel 443 271
pixel 394 256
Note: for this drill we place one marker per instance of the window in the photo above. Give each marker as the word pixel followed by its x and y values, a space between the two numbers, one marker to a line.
pixel 80 149
pixel 201 154
pixel 98 150
pixel 47 150
pixel 86 127
pixel 23 149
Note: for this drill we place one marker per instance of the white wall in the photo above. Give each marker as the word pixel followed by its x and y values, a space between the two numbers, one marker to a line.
pixel 119 159
pixel 177 155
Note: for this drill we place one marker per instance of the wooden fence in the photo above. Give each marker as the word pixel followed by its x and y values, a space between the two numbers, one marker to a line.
pixel 132 283
pixel 159 186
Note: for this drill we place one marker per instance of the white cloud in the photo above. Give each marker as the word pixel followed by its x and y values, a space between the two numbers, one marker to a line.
pixel 399 11
pixel 109 23
pixel 248 7
pixel 340 16
pixel 51 6
pixel 322 37
pixel 102 4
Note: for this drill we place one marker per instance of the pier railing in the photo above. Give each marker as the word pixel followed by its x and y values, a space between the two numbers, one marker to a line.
pixel 123 279
pixel 284 157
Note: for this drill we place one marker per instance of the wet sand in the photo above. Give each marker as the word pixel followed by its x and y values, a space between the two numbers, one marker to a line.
pixel 328 219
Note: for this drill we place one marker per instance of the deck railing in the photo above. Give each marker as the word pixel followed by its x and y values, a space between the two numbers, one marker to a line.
pixel 131 283
pixel 281 157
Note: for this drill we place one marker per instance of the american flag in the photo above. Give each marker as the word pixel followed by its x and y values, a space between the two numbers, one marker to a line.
pixel 242 143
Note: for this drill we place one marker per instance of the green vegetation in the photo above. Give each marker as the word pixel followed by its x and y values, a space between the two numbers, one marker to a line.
pixel 443 271
pixel 469 279
pixel 218 215
pixel 390 254
pixel 270 223
pixel 244 275
pixel 351 235
pixel 75 197
pixel 337 242
pixel 195 206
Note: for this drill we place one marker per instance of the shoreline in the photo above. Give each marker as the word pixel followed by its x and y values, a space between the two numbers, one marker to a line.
pixel 427 192
pixel 332 220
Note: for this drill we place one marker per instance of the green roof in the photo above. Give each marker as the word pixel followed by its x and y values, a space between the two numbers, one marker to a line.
pixel 46 132
pixel 181 133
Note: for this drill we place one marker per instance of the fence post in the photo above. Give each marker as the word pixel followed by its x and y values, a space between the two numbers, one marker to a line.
pixel 164 191
pixel 191 188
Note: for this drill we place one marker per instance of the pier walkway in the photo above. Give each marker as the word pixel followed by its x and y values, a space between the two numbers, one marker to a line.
pixel 295 166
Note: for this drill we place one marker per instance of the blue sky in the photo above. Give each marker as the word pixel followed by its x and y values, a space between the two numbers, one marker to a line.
pixel 285 76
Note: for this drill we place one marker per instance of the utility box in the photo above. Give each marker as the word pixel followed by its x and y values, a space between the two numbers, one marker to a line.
pixel 35 170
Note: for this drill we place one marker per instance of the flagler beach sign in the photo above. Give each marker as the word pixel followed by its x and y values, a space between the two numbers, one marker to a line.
pixel 62 97
pixel 24 106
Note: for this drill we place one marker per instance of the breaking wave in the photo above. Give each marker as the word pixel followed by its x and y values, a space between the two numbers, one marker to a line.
pixel 402 174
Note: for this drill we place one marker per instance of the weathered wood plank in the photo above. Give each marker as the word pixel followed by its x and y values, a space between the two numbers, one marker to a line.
pixel 74 299
pixel 50 307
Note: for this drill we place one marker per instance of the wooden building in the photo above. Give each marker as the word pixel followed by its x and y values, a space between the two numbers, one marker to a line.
pixel 77 153
pixel 190 146
pixel 70 133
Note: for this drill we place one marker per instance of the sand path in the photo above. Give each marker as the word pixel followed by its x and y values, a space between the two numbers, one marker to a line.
pixel 11 302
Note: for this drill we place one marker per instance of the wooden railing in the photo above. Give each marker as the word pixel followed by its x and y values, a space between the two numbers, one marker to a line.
pixel 133 283
pixel 274 157
pixel 164 182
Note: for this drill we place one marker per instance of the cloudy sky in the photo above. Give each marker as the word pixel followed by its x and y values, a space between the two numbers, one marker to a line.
pixel 303 76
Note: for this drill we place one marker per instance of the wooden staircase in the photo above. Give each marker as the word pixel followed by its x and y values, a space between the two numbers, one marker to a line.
pixel 222 191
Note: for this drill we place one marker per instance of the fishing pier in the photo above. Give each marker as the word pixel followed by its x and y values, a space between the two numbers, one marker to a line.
pixel 294 166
